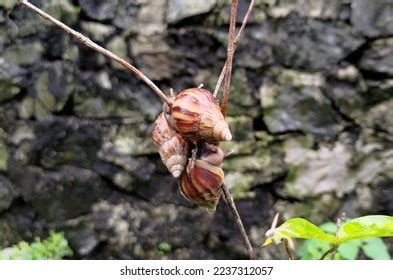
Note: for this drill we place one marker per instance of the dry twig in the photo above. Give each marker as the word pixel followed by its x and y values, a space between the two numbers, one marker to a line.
pixel 236 42
pixel 238 220
pixel 90 44
pixel 230 52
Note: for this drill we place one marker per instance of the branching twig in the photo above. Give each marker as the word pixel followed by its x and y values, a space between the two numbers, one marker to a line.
pixel 230 52
pixel 90 44
pixel 236 42
pixel 236 216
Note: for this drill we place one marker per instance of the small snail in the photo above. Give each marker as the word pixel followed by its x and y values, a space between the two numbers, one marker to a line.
pixel 173 149
pixel 197 117
pixel 202 184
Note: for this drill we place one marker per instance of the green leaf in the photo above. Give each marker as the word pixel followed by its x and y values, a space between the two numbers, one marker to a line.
pixel 375 249
pixel 350 249
pixel 365 227
pixel 313 249
pixel 299 228
pixel 329 227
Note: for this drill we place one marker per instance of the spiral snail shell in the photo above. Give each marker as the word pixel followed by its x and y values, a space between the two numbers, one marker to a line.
pixel 173 149
pixel 202 184
pixel 197 117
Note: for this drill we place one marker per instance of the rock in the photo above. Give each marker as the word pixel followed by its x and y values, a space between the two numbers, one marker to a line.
pixel 379 58
pixel 293 101
pixel 242 98
pixel 22 132
pixel 7 193
pixel 126 13
pixel 61 141
pixel 318 209
pixel 117 224
pixel 347 99
pixel 61 194
pixel 315 172
pixel 118 46
pixel 312 44
pixel 8 4
pixel 309 8
pixel 336 169
pixel 11 77
pixel 8 90
pixel 383 197
pixel 240 184
pixel 182 9
pixel 99 10
pixel 53 88
pixel 24 53
pixel 380 117
pixel 29 23
pixel 4 154
pixel 378 91
pixel 81 237
pixel 97 31
pixel 373 18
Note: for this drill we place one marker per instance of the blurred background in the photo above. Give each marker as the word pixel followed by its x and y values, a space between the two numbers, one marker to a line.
pixel 311 113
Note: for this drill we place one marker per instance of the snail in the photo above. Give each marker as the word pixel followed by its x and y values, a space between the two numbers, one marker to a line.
pixel 173 149
pixel 197 117
pixel 202 182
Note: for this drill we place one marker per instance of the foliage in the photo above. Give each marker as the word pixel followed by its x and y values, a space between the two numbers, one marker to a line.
pixel 164 248
pixel 373 248
pixel 346 241
pixel 55 247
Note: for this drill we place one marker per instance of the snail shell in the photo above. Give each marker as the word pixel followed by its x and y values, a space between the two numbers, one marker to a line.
pixel 173 149
pixel 204 185
pixel 197 117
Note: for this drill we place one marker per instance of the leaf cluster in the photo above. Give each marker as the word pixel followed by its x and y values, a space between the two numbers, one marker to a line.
pixel 358 234
pixel 55 247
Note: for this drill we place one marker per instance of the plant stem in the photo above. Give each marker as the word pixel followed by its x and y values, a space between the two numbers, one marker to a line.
pixel 90 44
pixel 236 42
pixel 230 52
pixel 330 251
pixel 238 220
pixel 289 250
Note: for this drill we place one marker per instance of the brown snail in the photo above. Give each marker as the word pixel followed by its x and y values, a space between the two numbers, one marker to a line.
pixel 202 182
pixel 197 117
pixel 173 149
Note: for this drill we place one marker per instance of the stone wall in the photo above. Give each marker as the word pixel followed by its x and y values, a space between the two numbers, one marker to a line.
pixel 311 112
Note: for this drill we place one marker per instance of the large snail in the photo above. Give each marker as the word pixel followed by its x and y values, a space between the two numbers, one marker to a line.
pixel 173 149
pixel 201 183
pixel 197 117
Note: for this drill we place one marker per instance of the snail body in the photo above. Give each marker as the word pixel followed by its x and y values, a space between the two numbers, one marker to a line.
pixel 197 117
pixel 173 149
pixel 202 184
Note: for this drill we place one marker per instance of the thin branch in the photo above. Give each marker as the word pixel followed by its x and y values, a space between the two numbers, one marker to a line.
pixel 238 220
pixel 90 44
pixel 230 52
pixel 236 42
pixel 330 251
pixel 289 250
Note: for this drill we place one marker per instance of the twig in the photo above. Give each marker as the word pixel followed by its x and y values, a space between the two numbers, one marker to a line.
pixel 236 42
pixel 330 251
pixel 238 220
pixel 230 52
pixel 288 249
pixel 90 44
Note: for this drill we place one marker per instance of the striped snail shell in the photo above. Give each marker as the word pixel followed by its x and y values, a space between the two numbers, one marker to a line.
pixel 197 117
pixel 202 184
pixel 173 149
